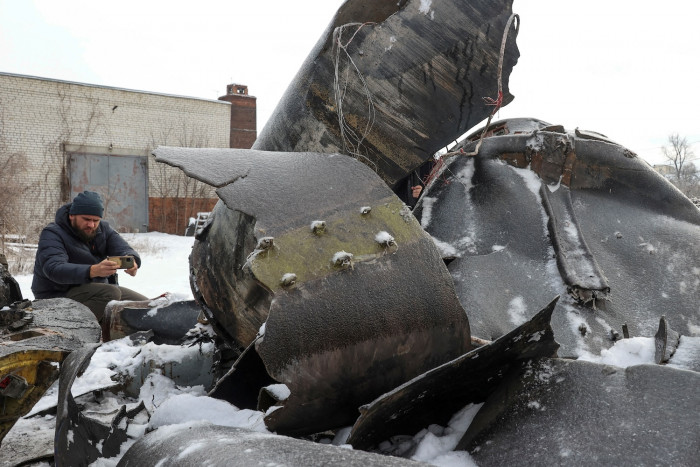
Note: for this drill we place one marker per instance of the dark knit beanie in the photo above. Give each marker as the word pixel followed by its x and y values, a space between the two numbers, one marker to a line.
pixel 87 203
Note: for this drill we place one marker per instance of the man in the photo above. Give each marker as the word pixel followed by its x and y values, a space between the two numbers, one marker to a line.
pixel 410 188
pixel 71 260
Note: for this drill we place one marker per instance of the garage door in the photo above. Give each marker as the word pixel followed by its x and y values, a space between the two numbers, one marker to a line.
pixel 122 182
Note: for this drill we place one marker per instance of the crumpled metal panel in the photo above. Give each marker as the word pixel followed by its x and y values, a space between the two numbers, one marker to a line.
pixel 36 336
pixel 435 396
pixel 386 315
pixel 554 412
pixel 81 439
pixel 623 226
pixel 393 81
pixel 168 322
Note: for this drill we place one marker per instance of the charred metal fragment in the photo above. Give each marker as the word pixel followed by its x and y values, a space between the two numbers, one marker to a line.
pixel 9 288
pixel 618 207
pixel 388 316
pixel 81 439
pixel 436 395
pixel 390 83
pixel 50 330
pixel 666 342
pixel 554 411
pixel 169 322
pixel 577 265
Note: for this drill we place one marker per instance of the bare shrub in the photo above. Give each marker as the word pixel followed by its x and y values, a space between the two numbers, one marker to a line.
pixel 13 224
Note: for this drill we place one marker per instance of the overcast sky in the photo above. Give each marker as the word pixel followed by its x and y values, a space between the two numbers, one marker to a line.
pixel 627 69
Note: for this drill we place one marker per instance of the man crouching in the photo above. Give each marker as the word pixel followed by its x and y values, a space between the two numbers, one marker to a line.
pixel 71 260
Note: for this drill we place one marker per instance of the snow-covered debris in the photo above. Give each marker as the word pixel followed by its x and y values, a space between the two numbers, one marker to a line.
pixel 342 259
pixel 186 408
pixel 385 238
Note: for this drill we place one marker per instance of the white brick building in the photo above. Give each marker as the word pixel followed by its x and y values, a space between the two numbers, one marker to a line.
pixel 73 136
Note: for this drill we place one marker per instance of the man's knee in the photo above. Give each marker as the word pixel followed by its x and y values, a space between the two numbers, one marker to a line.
pixel 95 296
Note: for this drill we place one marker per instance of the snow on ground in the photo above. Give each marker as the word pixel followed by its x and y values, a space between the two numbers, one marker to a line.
pixel 169 402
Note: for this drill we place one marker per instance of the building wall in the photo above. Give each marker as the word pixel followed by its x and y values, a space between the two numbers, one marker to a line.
pixel 40 118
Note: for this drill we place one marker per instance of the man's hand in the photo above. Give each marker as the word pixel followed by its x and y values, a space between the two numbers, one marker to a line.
pixel 132 271
pixel 416 190
pixel 104 269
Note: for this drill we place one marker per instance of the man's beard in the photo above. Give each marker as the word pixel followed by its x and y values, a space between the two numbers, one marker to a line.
pixel 84 236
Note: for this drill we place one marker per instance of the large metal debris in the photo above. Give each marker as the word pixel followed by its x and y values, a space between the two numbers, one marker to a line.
pixel 38 335
pixel 392 81
pixel 371 300
pixel 546 212
pixel 554 412
pixel 169 321
pixel 433 397
pixel 204 444
pixel 9 288
pixel 81 439
pixel 315 245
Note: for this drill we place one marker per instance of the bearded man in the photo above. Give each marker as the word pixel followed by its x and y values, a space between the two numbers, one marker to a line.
pixel 71 260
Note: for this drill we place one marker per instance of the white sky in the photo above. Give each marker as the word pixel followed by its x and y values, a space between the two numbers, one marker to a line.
pixel 623 68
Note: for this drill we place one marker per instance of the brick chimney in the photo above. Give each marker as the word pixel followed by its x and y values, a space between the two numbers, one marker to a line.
pixel 243 116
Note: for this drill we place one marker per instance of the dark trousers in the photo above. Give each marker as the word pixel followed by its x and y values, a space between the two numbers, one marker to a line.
pixel 96 295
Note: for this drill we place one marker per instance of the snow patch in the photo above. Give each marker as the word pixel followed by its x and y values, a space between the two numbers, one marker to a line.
pixel 532 181
pixel 426 216
pixel 625 352
pixel 436 441
pixel 279 391
pixel 384 238
pixel 446 250
pixel 517 310
pixel 687 354
pixel 184 408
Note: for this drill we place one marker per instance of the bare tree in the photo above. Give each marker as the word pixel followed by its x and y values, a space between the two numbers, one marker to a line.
pixel 180 196
pixel 690 180
pixel 678 153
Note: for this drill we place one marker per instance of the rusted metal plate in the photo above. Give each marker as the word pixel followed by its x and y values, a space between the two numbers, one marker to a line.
pixel 433 397
pixel 391 82
pixel 614 223
pixel 387 315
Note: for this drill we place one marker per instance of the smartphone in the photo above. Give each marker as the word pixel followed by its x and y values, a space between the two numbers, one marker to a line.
pixel 124 262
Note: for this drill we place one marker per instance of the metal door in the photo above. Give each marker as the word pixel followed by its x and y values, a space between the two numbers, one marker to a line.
pixel 121 180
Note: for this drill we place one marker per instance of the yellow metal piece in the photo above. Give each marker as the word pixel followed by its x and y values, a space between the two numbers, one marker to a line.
pixel 309 255
pixel 35 367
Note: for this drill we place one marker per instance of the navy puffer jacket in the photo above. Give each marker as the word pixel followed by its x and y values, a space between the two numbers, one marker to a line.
pixel 63 260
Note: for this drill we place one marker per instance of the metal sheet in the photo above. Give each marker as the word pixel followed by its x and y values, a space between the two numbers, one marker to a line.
pixel 640 231
pixel 203 444
pixel 52 329
pixel 555 412
pixel 433 397
pixel 387 316
pixel 391 82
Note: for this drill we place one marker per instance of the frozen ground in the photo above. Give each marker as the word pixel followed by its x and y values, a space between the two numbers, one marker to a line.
pixel 165 269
